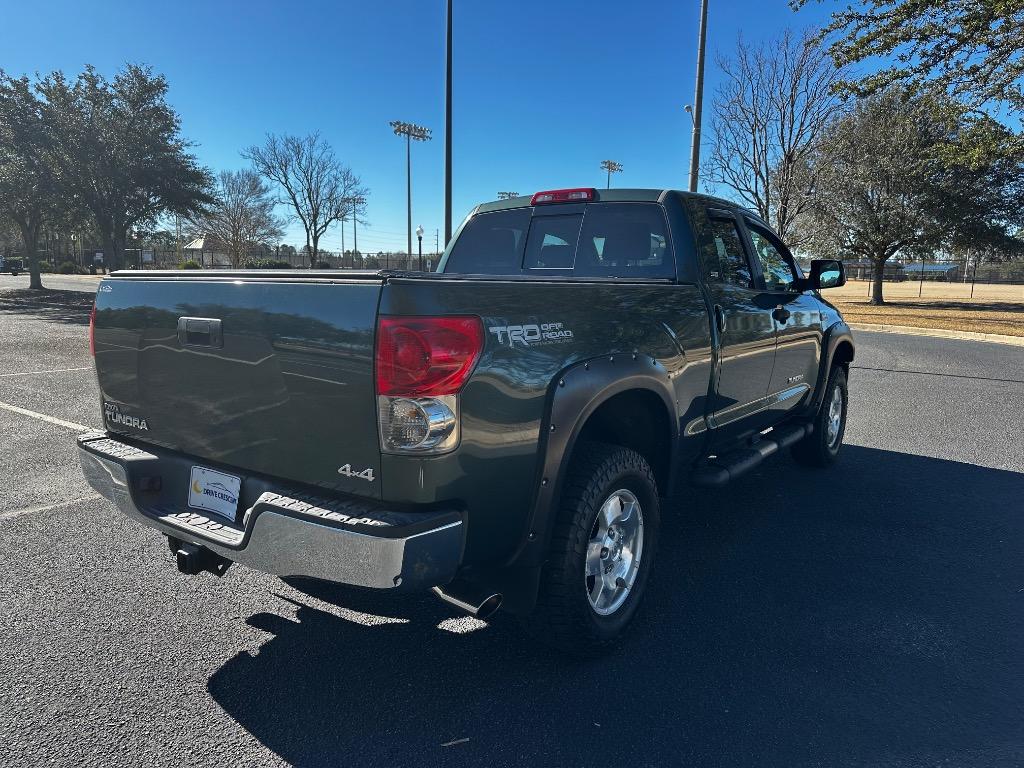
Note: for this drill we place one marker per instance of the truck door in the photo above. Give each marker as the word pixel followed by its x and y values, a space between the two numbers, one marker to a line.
pixel 742 317
pixel 797 322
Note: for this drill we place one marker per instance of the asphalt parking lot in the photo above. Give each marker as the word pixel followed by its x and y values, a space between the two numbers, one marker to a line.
pixel 870 614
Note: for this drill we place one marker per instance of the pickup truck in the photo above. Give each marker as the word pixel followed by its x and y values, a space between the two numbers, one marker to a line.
pixel 502 431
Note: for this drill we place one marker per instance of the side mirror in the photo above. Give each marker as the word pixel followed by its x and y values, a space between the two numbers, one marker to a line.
pixel 826 273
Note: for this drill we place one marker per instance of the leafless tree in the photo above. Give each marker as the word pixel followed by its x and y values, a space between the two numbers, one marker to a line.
pixel 313 181
pixel 774 103
pixel 242 216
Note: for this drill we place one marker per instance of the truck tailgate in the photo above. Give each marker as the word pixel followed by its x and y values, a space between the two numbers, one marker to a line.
pixel 271 374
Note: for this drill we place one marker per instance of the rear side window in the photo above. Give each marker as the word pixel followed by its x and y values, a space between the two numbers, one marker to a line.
pixel 624 240
pixel 491 244
pixel 732 264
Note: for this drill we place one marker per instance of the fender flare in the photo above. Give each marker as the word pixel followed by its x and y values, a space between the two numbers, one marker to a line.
pixel 573 397
pixel 835 334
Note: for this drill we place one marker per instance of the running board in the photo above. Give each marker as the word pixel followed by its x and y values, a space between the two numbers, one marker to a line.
pixel 719 471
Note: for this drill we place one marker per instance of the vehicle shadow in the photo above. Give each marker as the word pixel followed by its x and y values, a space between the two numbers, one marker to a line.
pixel 869 614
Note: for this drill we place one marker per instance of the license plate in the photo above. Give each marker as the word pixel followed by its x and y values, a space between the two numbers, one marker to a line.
pixel 213 491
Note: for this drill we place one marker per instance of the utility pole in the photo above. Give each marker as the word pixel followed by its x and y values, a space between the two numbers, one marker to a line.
pixel 447 131
pixel 612 167
pixel 356 203
pixel 698 98
pixel 437 236
pixel 411 131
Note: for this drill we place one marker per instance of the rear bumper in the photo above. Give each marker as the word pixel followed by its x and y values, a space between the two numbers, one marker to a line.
pixel 283 531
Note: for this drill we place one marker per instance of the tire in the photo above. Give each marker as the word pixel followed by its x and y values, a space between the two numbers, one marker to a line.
pixel 574 612
pixel 821 447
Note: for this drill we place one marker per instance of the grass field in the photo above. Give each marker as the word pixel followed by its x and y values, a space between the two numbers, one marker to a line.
pixel 947 306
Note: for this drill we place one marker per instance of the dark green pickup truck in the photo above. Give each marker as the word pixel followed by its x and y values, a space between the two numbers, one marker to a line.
pixel 500 431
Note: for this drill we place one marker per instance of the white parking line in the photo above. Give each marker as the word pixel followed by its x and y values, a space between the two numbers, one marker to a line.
pixel 45 507
pixel 43 417
pixel 55 370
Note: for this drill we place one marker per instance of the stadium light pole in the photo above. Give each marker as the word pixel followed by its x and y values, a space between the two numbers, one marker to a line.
pixel 612 167
pixel 507 195
pixel 412 132
pixel 698 98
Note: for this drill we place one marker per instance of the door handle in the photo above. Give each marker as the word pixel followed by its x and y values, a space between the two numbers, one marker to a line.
pixel 720 318
pixel 200 332
pixel 781 314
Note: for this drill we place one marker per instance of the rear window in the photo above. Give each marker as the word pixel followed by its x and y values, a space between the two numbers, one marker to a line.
pixel 491 244
pixel 607 240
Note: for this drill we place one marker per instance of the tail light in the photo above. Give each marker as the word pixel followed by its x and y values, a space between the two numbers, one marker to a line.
pixel 92 330
pixel 422 363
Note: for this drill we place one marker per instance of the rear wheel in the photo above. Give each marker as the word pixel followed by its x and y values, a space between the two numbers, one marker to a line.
pixel 601 552
pixel 821 447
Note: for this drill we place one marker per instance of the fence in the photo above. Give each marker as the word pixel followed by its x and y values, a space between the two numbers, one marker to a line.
pixel 277 258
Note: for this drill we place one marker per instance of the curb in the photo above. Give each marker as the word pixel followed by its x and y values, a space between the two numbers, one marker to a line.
pixel 910 330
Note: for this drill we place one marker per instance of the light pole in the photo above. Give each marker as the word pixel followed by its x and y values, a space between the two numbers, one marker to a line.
pixel 612 167
pixel 507 195
pixel 419 236
pixel 419 133
pixel 698 98
pixel 448 130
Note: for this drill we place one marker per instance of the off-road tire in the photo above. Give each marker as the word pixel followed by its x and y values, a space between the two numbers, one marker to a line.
pixel 564 617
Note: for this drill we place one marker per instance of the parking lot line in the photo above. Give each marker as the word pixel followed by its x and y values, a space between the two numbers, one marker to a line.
pixel 45 507
pixel 43 417
pixel 55 370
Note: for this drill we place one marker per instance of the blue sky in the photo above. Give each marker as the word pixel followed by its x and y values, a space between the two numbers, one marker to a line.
pixel 543 90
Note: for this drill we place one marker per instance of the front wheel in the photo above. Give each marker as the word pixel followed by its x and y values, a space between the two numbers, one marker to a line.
pixel 602 550
pixel 821 447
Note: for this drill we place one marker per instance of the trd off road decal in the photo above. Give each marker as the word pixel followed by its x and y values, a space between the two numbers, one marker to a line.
pixel 531 334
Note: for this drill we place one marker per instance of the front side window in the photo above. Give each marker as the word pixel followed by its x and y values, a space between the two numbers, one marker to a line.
pixel 779 274
pixel 732 264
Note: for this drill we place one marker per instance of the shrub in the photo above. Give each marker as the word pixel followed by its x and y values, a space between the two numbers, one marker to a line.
pixel 266 264
pixel 70 268
pixel 190 264
pixel 324 265
pixel 45 266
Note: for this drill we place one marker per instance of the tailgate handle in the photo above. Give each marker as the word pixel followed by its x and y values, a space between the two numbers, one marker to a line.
pixel 200 332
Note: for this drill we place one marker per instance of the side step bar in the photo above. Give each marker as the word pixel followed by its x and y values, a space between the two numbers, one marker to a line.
pixel 719 471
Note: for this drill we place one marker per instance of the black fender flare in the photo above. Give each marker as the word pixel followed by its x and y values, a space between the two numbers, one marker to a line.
pixel 834 335
pixel 574 395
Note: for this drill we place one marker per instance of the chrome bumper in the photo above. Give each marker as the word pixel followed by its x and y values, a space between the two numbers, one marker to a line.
pixel 283 532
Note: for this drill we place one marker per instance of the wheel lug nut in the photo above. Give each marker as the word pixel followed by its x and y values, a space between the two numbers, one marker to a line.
pixel 604 552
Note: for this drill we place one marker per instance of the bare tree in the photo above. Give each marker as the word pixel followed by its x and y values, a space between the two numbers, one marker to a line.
pixel 775 101
pixel 242 215
pixel 318 186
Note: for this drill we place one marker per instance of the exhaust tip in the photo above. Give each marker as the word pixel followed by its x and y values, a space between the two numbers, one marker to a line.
pixel 479 604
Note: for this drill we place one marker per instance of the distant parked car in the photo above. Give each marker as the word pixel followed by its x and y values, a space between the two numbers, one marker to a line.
pixel 14 266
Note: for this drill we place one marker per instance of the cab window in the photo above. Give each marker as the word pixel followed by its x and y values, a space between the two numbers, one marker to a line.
pixel 776 263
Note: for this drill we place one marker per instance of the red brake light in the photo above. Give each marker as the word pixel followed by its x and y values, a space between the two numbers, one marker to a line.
pixel 92 331
pixel 426 356
pixel 581 195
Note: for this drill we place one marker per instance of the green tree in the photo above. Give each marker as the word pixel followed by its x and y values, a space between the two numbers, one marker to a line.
pixel 911 175
pixel 970 49
pixel 117 149
pixel 28 191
